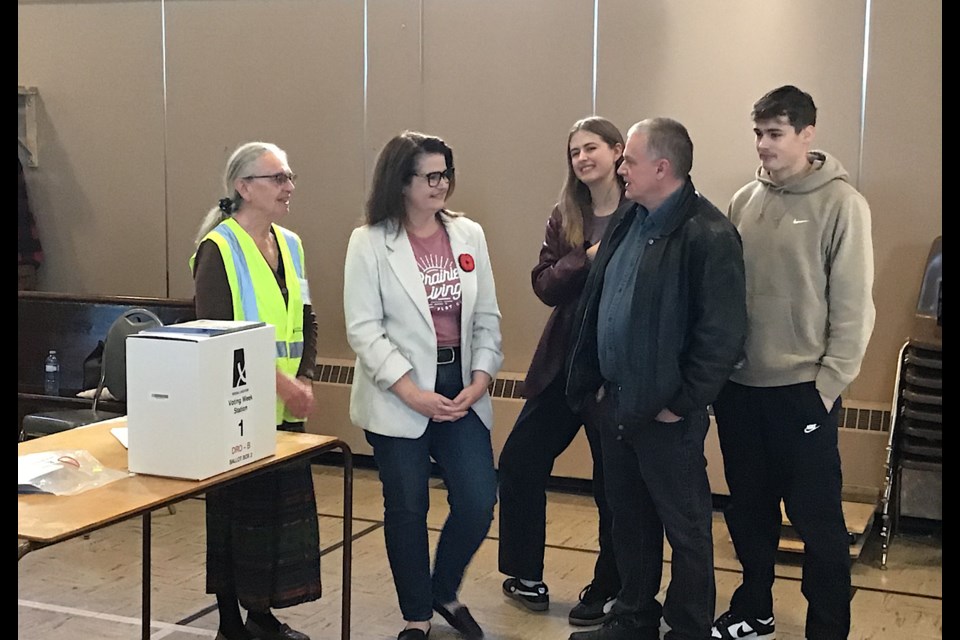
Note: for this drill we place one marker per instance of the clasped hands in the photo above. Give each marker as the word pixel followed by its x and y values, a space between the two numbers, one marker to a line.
pixel 437 407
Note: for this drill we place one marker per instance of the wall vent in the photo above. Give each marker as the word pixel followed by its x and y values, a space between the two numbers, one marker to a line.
pixel 861 416
pixel 507 385
pixel 865 417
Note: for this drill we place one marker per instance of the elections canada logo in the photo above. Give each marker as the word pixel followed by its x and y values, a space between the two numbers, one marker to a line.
pixel 239 368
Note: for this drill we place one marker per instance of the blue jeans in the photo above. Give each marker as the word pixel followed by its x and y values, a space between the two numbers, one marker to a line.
pixel 463 451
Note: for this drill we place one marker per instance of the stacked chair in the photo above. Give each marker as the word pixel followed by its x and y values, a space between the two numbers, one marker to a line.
pixel 913 487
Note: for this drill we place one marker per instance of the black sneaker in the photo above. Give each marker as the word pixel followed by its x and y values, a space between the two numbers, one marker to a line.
pixel 535 598
pixel 733 626
pixel 593 608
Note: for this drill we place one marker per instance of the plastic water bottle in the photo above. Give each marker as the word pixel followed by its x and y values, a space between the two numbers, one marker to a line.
pixel 51 374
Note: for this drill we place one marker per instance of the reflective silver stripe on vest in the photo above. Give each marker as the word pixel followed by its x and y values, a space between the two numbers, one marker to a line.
pixel 294 251
pixel 248 296
pixel 296 350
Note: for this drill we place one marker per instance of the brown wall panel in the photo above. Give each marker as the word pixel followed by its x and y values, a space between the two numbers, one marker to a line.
pixel 705 63
pixel 902 172
pixel 132 143
pixel 394 76
pixel 285 71
pixel 98 192
pixel 503 83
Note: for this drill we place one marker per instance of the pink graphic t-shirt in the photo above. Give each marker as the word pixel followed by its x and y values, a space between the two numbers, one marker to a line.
pixel 441 280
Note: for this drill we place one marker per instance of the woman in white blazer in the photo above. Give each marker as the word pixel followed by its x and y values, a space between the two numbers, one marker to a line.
pixel 422 316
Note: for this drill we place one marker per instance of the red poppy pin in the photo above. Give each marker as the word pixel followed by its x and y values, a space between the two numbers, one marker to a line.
pixel 466 262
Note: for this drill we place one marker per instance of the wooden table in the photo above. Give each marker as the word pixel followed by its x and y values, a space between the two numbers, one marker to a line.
pixel 44 519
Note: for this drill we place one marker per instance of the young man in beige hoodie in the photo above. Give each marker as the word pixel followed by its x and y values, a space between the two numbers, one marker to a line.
pixel 809 271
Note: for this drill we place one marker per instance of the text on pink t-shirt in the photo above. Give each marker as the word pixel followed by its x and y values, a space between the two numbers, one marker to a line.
pixel 441 280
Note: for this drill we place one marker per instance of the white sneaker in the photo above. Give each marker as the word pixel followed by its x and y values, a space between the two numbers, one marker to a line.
pixel 732 626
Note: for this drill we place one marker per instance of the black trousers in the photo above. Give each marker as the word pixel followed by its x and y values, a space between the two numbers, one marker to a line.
pixel 544 429
pixel 779 443
pixel 656 481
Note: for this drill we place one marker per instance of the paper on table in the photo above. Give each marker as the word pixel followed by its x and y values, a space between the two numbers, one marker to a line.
pixel 63 472
pixel 120 433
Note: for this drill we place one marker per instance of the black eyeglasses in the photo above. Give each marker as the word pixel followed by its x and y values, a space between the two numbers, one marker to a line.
pixel 279 179
pixel 434 177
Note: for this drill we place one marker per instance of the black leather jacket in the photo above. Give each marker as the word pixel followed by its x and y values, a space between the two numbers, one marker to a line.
pixel 689 313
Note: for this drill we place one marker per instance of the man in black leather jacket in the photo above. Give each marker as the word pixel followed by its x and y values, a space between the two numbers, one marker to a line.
pixel 659 329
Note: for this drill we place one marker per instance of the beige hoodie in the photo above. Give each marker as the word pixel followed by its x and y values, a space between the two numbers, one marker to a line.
pixel 809 264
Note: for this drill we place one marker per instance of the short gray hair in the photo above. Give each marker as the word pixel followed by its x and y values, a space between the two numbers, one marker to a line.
pixel 667 138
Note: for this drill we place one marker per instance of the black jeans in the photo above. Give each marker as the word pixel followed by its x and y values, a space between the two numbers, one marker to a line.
pixel 544 429
pixel 656 482
pixel 780 443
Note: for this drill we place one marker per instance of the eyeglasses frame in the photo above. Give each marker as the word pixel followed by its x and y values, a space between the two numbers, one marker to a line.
pixel 279 178
pixel 439 175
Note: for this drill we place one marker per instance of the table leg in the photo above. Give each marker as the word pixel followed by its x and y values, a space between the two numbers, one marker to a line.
pixel 347 566
pixel 145 579
pixel 347 540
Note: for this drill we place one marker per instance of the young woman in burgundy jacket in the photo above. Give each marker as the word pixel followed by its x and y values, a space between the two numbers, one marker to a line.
pixel 546 426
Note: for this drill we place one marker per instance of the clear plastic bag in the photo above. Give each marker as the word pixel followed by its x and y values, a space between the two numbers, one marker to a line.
pixel 63 472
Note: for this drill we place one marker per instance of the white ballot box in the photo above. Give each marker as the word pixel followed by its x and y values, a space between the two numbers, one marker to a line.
pixel 201 397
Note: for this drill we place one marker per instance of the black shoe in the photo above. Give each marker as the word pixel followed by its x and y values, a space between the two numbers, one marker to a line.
pixel 594 607
pixel 535 598
pixel 461 620
pixel 284 632
pixel 414 634
pixel 616 629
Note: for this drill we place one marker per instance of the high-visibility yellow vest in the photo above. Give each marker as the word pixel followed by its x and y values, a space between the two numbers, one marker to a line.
pixel 256 295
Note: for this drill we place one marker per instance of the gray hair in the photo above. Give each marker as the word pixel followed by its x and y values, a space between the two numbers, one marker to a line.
pixel 667 138
pixel 239 165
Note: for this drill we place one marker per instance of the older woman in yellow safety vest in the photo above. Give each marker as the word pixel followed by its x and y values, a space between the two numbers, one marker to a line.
pixel 263 547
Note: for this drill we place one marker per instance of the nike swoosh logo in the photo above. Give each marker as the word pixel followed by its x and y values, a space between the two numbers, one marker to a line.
pixel 800 221
pixel 810 428
pixel 741 630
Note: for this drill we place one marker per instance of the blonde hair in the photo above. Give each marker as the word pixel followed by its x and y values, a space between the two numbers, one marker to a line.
pixel 575 200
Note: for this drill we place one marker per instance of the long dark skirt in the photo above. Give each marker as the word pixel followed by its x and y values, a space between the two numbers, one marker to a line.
pixel 263 540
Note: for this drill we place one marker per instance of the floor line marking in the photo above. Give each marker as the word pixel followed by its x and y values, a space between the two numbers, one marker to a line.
pixel 164 628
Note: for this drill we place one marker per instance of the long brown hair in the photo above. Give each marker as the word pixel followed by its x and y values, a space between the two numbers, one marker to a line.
pixel 396 166
pixel 575 200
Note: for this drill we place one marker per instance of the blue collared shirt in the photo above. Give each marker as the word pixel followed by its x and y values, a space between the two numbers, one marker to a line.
pixel 614 324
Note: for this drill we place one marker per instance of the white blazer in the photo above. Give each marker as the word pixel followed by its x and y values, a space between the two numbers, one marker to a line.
pixel 390 328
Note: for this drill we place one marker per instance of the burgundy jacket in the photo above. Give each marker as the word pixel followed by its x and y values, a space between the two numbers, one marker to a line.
pixel 558 280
